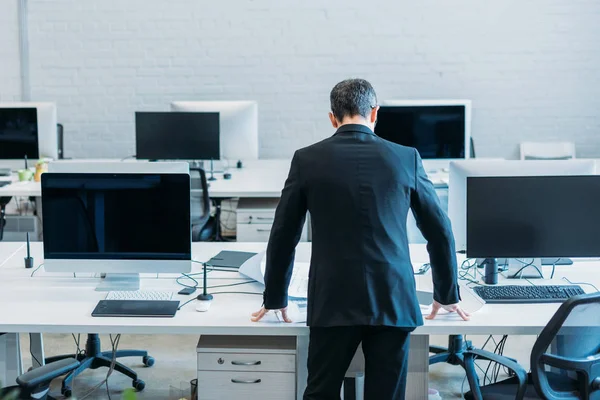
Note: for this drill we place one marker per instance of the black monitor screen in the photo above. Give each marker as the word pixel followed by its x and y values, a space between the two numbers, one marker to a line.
pixel 116 216
pixel 177 135
pixel 435 131
pixel 18 133
pixel 541 216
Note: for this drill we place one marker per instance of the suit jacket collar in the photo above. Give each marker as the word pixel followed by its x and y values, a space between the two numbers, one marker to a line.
pixel 354 128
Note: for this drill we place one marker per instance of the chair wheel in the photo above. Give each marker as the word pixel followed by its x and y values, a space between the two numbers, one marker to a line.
pixel 138 385
pixel 148 361
pixel 66 392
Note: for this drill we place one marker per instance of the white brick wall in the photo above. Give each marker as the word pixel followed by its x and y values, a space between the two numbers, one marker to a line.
pixel 10 75
pixel 532 68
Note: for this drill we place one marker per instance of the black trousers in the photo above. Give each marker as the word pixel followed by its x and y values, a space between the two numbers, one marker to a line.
pixel 331 350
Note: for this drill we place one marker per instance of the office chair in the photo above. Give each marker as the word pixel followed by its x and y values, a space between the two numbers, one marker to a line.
pixel 35 384
pixel 547 150
pixel 3 203
pixel 203 227
pixel 576 329
pixel 93 358
pixel 61 142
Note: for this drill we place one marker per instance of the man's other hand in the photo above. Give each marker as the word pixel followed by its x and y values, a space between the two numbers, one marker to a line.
pixel 450 308
pixel 257 316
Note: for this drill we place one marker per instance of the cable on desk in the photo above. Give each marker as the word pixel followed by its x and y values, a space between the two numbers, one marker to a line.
pixel 35 270
pixel 581 283
pixel 526 265
pixel 465 274
pixel 184 275
pixel 232 284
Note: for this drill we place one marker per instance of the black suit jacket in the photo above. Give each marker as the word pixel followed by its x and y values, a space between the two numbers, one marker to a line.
pixel 358 189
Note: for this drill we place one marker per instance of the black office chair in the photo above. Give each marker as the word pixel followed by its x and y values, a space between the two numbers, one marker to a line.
pixel 61 142
pixel 35 384
pixel 576 330
pixel 3 203
pixel 93 358
pixel 204 226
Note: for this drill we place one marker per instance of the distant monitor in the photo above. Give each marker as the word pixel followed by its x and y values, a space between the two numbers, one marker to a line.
pixel 28 129
pixel 119 223
pixel 533 217
pixel 177 135
pixel 461 170
pixel 438 129
pixel 238 121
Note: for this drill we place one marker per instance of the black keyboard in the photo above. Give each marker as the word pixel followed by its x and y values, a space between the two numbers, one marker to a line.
pixel 527 294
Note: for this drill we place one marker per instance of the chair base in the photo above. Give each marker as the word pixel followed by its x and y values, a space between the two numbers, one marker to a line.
pixel 453 355
pixel 93 358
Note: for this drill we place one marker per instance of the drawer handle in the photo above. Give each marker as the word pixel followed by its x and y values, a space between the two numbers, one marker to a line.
pixel 262 230
pixel 264 218
pixel 246 381
pixel 246 363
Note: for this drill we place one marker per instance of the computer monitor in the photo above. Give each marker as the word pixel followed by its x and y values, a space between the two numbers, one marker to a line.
pixel 177 135
pixel 533 216
pixel 128 222
pixel 28 129
pixel 238 121
pixel 460 170
pixel 438 129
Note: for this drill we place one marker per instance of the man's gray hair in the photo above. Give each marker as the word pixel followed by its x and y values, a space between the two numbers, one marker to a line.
pixel 352 97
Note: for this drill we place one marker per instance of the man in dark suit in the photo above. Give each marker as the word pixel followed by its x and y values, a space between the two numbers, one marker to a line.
pixel 359 189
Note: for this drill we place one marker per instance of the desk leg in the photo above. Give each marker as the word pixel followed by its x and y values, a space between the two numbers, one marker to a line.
pixel 301 365
pixel 10 358
pixel 417 386
pixel 36 347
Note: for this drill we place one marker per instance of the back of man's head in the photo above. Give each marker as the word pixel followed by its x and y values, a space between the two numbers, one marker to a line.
pixel 351 98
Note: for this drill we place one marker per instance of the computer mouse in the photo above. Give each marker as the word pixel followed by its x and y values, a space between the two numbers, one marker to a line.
pixel 226 175
pixel 203 305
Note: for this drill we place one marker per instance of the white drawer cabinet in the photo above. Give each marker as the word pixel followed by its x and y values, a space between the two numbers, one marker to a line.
pixel 246 385
pixel 255 219
pixel 246 367
pixel 252 362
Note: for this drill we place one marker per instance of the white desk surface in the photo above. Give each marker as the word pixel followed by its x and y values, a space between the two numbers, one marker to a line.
pixel 51 303
pixel 258 178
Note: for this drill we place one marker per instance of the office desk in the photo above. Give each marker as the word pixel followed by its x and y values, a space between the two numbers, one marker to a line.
pixel 63 304
pixel 258 178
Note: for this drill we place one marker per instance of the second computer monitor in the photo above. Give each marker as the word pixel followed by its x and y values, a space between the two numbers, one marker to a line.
pixel 28 129
pixel 238 124
pixel 438 129
pixel 533 216
pixel 461 170
pixel 177 136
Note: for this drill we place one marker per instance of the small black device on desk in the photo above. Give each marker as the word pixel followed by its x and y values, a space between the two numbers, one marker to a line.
pixel 136 308
pixel 187 291
pixel 527 294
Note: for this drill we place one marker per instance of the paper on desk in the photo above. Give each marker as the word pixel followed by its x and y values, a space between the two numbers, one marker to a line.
pixel 254 268
pixel 470 301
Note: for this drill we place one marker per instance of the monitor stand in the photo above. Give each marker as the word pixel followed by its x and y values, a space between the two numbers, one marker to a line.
pixel 557 261
pixel 115 282
pixel 520 269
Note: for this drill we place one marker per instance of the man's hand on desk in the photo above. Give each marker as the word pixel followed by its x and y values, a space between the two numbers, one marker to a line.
pixel 257 316
pixel 436 307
